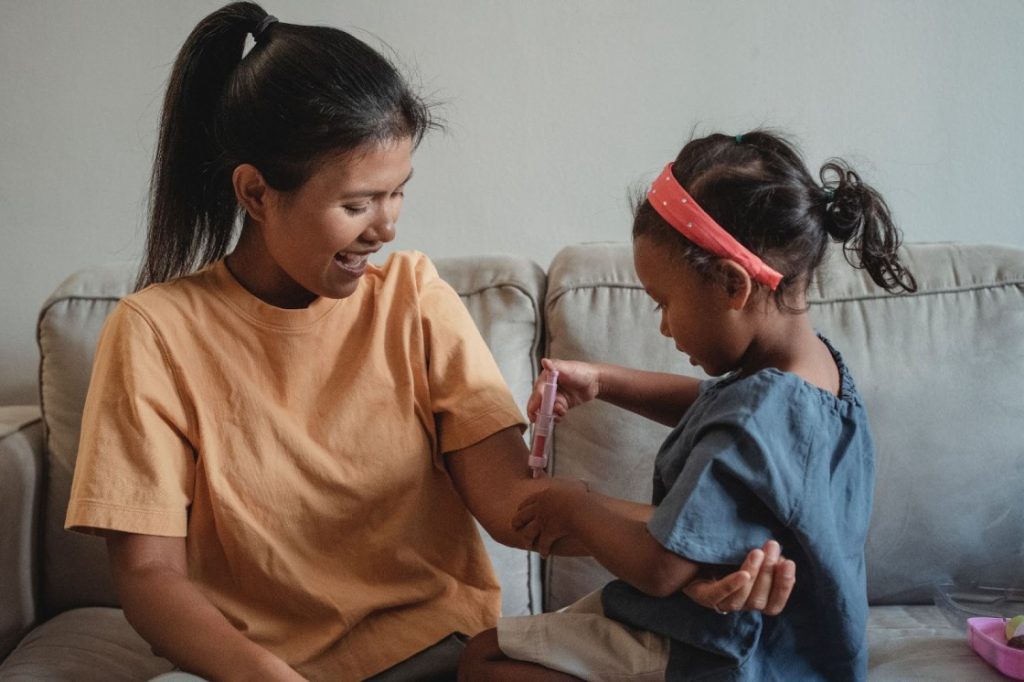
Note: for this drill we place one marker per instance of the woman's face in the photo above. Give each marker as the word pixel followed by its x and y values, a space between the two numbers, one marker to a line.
pixel 316 239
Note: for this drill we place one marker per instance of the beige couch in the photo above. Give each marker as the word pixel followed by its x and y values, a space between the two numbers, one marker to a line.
pixel 941 372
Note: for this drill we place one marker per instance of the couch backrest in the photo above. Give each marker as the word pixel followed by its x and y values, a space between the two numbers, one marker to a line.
pixel 941 373
pixel 503 294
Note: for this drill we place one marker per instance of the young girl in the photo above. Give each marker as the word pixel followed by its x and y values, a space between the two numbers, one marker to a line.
pixel 283 444
pixel 725 244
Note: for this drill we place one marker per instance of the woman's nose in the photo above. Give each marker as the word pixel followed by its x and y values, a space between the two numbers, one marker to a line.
pixel 383 228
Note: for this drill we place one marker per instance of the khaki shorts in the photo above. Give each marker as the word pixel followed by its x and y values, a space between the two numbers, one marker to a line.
pixel 580 640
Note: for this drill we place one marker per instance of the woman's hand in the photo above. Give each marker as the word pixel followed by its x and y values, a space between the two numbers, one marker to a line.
pixel 763 583
pixel 545 517
pixel 578 383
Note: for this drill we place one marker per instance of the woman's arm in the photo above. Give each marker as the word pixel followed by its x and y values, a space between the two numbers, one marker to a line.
pixel 177 620
pixel 493 479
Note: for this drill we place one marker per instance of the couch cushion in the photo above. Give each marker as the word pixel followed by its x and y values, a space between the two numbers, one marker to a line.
pixel 84 645
pixel 940 372
pixel 917 643
pixel 503 295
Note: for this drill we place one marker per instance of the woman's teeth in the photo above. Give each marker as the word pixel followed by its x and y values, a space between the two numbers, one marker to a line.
pixel 351 261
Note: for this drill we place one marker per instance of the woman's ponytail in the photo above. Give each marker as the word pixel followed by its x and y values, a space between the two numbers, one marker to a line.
pixel 301 95
pixel 192 202
pixel 858 217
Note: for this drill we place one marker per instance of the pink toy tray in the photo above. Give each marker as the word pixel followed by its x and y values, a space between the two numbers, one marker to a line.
pixel 988 638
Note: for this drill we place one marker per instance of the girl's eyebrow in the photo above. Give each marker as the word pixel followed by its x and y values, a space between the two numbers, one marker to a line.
pixel 359 194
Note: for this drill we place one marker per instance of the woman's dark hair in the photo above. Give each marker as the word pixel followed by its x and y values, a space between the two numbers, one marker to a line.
pixel 757 188
pixel 301 95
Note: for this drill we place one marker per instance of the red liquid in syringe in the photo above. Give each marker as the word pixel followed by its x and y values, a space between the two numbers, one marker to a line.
pixel 544 425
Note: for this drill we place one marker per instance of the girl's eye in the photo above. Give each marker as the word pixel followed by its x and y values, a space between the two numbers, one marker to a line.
pixel 658 307
pixel 356 210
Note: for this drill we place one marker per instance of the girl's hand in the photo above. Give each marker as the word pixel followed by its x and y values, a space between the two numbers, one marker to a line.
pixel 763 583
pixel 578 383
pixel 544 518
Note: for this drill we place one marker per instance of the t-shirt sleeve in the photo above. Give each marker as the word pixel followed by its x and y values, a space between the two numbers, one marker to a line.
pixel 469 397
pixel 135 470
pixel 736 491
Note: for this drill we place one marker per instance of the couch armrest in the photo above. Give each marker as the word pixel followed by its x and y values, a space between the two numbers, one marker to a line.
pixel 21 461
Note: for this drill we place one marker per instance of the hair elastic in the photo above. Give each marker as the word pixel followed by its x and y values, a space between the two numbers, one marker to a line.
pixel 264 24
pixel 677 207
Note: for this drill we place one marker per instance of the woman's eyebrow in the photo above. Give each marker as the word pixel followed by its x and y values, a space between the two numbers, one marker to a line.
pixel 359 194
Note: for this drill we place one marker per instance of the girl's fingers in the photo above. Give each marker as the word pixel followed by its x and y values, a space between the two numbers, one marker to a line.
pixel 544 544
pixel 752 566
pixel 782 587
pixel 724 588
pixel 762 587
pixel 524 515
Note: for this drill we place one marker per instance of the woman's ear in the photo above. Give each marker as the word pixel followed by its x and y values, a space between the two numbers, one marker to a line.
pixel 738 284
pixel 251 190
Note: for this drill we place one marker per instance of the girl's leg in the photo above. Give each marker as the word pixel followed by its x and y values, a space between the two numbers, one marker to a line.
pixel 483 660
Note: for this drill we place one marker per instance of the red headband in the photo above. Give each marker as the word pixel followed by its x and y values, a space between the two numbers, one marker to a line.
pixel 679 210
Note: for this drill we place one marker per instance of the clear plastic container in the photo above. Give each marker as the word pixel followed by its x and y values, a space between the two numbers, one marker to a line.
pixel 959 602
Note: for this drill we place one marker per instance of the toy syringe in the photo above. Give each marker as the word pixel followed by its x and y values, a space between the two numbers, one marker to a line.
pixel 544 425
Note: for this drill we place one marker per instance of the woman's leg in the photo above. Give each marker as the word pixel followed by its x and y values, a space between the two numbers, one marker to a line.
pixel 483 661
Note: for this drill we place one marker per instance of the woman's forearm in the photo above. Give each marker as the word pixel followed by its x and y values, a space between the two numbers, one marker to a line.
pixel 177 619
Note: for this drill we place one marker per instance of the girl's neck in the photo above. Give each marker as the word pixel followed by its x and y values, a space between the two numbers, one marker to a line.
pixel 788 342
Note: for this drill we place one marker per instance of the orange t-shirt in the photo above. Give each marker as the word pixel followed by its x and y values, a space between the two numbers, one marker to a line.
pixel 300 454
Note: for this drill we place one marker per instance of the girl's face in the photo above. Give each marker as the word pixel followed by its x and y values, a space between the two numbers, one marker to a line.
pixel 314 241
pixel 695 312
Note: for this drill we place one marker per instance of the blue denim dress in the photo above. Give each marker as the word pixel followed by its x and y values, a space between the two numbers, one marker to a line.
pixel 758 457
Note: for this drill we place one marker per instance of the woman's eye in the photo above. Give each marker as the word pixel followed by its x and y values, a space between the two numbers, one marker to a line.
pixel 658 307
pixel 357 209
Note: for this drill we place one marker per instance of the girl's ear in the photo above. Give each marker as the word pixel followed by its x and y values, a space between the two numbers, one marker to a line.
pixel 738 284
pixel 251 190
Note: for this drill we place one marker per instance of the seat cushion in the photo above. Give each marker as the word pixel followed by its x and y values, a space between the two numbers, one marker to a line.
pixel 918 643
pixel 84 645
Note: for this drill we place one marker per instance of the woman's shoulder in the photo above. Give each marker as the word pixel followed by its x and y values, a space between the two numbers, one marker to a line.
pixel 176 295
pixel 414 267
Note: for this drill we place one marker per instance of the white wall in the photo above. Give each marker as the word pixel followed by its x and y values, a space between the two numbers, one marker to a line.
pixel 555 108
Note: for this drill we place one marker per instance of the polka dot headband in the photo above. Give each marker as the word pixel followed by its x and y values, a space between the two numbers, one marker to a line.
pixel 677 207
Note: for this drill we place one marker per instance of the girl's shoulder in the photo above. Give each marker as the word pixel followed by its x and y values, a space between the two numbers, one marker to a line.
pixel 772 396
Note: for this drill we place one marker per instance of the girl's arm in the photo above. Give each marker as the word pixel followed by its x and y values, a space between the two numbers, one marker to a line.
pixel 494 481
pixel 614 534
pixel 177 620
pixel 658 396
